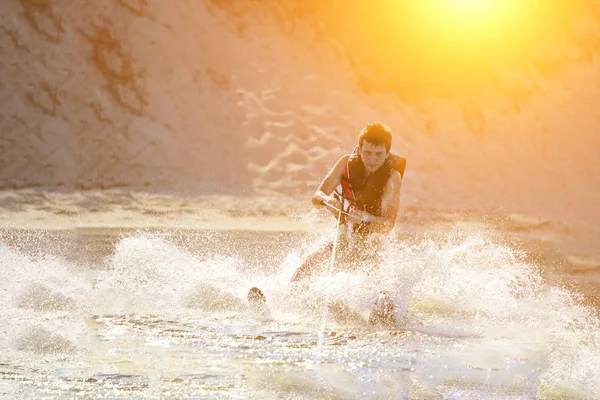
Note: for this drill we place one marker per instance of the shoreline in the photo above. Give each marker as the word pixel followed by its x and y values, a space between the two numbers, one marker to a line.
pixel 77 245
pixel 572 246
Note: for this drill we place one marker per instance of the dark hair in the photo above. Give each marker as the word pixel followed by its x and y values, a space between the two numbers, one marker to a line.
pixel 376 133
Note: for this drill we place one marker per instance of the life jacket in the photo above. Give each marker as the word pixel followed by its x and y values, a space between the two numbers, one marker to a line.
pixel 365 191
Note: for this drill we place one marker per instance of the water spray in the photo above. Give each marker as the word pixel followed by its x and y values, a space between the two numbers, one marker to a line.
pixel 329 274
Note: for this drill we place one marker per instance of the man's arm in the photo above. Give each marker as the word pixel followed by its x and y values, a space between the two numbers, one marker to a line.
pixel 328 185
pixel 390 204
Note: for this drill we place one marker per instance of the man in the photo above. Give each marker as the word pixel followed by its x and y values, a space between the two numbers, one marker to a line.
pixel 365 186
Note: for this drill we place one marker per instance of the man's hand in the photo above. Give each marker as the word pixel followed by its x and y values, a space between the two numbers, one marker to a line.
pixel 364 215
pixel 319 198
pixel 332 204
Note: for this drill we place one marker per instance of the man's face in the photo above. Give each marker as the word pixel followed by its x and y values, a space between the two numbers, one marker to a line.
pixel 372 155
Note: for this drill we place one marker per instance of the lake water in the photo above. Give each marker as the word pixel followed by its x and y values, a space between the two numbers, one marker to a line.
pixel 115 313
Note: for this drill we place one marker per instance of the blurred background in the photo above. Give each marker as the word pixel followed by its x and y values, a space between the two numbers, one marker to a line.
pixel 494 103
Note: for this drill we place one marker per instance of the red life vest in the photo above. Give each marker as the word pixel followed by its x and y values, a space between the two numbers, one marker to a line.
pixel 365 191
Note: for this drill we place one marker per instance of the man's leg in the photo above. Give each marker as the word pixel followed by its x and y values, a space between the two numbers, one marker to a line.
pixel 313 262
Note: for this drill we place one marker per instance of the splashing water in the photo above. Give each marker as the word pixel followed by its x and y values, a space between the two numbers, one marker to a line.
pixel 326 302
pixel 155 317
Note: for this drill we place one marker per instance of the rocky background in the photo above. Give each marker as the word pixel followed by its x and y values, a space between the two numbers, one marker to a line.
pixel 254 96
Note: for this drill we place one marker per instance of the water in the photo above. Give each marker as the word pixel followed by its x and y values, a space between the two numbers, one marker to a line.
pixel 108 314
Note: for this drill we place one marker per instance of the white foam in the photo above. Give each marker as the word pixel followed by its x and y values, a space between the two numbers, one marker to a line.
pixel 148 273
pixel 38 295
pixel 467 286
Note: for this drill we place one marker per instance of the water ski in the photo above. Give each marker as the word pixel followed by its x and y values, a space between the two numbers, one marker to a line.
pixel 383 314
pixel 258 302
pixel 384 311
pixel 256 296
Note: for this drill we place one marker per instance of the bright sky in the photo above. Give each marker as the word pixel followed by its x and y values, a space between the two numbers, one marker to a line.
pixel 450 44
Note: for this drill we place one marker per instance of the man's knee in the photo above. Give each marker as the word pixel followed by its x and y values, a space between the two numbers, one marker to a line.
pixel 311 263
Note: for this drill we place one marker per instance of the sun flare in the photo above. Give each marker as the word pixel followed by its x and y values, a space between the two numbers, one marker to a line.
pixel 447 46
pixel 464 21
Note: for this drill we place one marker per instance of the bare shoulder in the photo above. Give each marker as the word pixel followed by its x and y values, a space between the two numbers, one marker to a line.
pixel 343 159
pixel 341 163
pixel 395 178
